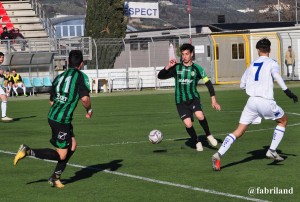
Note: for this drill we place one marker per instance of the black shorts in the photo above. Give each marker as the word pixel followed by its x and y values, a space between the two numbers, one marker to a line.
pixel 188 108
pixel 61 134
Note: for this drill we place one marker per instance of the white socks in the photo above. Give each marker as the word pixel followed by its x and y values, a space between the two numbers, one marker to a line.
pixel 24 89
pixel 3 108
pixel 15 90
pixel 226 144
pixel 277 137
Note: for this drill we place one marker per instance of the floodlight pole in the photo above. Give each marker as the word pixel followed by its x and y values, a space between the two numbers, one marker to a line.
pixel 190 24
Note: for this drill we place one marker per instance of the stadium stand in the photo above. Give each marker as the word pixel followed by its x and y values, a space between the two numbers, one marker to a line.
pixel 2 12
pixel 24 16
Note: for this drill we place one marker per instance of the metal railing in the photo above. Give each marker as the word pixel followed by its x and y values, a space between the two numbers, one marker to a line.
pixel 48 26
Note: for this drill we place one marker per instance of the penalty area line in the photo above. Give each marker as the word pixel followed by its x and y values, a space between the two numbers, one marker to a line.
pixel 209 191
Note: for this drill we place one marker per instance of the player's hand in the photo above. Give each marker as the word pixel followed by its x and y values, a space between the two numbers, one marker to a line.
pixel 216 106
pixel 291 95
pixel 171 64
pixel 89 114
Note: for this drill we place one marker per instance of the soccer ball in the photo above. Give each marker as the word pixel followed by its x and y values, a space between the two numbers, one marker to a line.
pixel 155 136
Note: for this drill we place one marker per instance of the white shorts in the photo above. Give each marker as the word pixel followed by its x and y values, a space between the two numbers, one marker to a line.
pixel 260 107
pixel 18 85
pixel 2 92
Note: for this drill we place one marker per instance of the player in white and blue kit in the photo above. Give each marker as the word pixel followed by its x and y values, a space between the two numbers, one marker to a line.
pixel 3 96
pixel 258 83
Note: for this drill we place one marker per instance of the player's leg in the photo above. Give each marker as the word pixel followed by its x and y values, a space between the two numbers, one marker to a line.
pixel 228 141
pixel 22 85
pixel 186 116
pixel 46 153
pixel 278 134
pixel 197 109
pixel 61 164
pixel 204 124
pixel 248 115
pixel 15 87
pixel 192 133
pixel 65 143
pixel 9 87
pixel 4 105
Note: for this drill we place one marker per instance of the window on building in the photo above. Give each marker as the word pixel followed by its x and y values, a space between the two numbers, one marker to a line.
pixel 241 51
pixel 208 51
pixel 237 51
pixel 217 51
pixel 65 31
pixel 79 31
pixel 134 45
pixel 72 30
pixel 144 45
pixel 234 51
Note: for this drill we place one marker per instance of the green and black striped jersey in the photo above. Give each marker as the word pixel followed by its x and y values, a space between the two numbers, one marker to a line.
pixel 186 80
pixel 67 89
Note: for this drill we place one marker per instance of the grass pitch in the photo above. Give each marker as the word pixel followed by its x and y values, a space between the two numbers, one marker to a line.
pixel 115 161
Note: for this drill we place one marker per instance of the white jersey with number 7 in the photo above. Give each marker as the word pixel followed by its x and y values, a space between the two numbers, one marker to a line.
pixel 258 79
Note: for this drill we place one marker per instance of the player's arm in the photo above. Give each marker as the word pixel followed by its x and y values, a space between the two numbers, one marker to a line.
pixel 278 78
pixel 212 93
pixel 168 71
pixel 51 99
pixel 244 80
pixel 84 94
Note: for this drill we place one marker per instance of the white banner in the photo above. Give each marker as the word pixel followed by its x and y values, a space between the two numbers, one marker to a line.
pixel 141 10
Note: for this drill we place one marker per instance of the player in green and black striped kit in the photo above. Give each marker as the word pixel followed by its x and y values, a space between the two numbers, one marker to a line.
pixel 67 89
pixel 187 75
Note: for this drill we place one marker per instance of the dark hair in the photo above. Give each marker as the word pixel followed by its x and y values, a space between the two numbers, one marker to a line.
pixel 75 58
pixel 264 45
pixel 1 54
pixel 14 70
pixel 7 70
pixel 289 46
pixel 187 46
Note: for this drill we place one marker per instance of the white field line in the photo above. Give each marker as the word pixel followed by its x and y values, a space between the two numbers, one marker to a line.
pixel 139 142
pixel 209 191
pixel 292 113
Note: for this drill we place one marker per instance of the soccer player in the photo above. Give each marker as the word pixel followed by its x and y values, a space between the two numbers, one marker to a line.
pixel 187 75
pixel 18 83
pixel 2 92
pixel 258 83
pixel 68 88
pixel 8 82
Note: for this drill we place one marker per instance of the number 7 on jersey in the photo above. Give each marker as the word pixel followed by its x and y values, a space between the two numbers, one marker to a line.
pixel 258 65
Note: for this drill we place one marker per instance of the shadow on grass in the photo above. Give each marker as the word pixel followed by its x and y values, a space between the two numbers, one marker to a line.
pixel 91 170
pixel 259 155
pixel 202 139
pixel 18 119
pixel 160 151
pixel 88 172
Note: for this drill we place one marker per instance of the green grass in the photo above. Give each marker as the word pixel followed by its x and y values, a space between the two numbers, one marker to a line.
pixel 116 139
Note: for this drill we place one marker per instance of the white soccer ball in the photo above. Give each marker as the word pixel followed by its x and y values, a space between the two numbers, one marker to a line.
pixel 155 136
